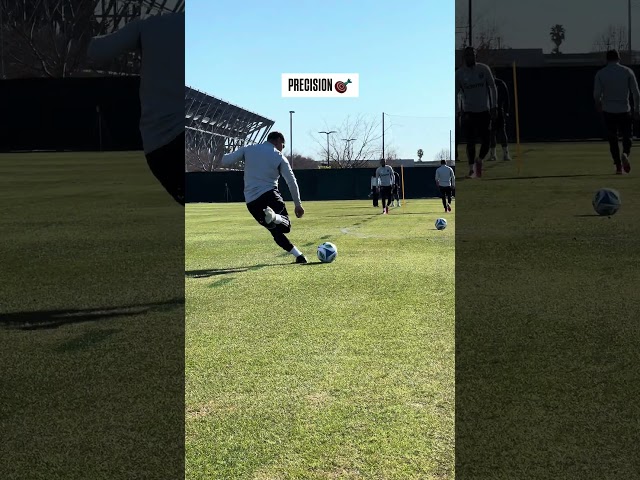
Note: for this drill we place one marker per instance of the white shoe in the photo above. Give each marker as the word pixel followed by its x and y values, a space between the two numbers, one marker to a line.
pixel 269 215
pixel 506 157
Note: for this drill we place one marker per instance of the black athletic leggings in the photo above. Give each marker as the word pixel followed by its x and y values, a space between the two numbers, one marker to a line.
pixel 477 125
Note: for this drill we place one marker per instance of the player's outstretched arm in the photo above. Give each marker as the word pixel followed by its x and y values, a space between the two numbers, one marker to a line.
pixel 107 47
pixel 292 183
pixel 233 157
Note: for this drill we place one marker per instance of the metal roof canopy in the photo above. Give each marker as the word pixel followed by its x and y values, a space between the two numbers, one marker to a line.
pixel 119 12
pixel 219 127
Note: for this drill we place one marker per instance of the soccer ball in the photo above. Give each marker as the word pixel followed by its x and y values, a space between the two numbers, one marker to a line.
pixel 327 252
pixel 606 201
pixel 441 224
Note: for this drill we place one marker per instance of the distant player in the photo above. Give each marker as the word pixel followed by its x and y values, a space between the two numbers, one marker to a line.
pixel 446 182
pixel 499 124
pixel 263 165
pixel 386 177
pixel 611 94
pixel 160 41
pixel 398 187
pixel 475 82
pixel 375 190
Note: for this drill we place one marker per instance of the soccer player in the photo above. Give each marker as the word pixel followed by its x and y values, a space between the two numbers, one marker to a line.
pixel 611 94
pixel 374 190
pixel 446 182
pixel 160 41
pixel 263 165
pixel 384 174
pixel 475 81
pixel 398 187
pixel 499 124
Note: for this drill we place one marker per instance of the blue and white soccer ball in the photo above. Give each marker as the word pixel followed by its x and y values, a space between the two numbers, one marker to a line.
pixel 327 252
pixel 606 201
pixel 441 224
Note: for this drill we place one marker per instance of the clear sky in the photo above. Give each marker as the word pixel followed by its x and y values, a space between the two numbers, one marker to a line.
pixel 402 50
pixel 527 24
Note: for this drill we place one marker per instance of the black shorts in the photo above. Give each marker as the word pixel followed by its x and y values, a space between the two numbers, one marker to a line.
pixel 167 165
pixel 271 199
pixel 618 123
pixel 446 191
pixel 385 192
pixel 474 124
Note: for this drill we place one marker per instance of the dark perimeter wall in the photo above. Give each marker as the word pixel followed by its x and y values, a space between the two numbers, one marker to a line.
pixel 555 103
pixel 336 184
pixel 61 114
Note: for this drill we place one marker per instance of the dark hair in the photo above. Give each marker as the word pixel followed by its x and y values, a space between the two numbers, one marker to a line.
pixel 443 162
pixel 613 55
pixel 469 49
pixel 275 136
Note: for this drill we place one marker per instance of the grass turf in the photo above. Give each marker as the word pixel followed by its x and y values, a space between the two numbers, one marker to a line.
pixel 341 370
pixel 91 319
pixel 547 330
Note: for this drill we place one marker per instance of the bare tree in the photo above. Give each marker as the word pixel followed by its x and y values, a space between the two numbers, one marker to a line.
pixel 353 143
pixel 487 36
pixel 442 155
pixel 614 37
pixel 301 162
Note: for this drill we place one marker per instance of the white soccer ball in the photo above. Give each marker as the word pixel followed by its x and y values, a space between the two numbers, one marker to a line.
pixel 606 201
pixel 441 224
pixel 327 252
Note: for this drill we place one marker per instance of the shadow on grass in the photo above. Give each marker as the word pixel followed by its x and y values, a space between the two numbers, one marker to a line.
pixel 212 272
pixel 540 177
pixel 589 215
pixel 49 319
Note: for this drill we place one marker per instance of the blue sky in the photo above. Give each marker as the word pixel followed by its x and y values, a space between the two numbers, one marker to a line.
pixel 403 51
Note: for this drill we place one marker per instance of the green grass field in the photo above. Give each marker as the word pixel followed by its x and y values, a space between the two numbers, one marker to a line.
pixel 547 330
pixel 91 329
pixel 320 371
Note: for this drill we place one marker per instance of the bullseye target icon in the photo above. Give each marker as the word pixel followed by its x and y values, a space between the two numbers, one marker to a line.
pixel 341 87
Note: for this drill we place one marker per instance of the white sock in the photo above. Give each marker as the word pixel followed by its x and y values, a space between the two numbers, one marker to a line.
pixel 295 252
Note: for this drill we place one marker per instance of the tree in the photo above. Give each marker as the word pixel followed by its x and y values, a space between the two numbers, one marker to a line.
pixel 420 154
pixel 614 37
pixel 301 162
pixel 557 34
pixel 347 153
pixel 442 155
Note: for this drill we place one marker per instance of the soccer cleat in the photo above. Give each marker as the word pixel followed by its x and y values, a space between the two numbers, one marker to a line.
pixel 269 215
pixel 387 211
pixel 625 163
pixel 301 259
pixel 618 169
pixel 471 173
pixel 478 168
pixel 492 157
pixel 506 157
pixel 449 207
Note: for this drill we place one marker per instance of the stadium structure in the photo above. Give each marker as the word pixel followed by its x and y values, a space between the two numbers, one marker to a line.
pixel 214 127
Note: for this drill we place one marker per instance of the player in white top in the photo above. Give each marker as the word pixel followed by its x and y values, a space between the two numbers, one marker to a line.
pixel 159 39
pixel 611 94
pixel 446 182
pixel 384 174
pixel 263 165
pixel 478 88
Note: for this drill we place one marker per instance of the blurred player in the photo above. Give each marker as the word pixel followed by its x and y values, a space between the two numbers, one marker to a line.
pixel 384 174
pixel 611 94
pixel 475 82
pixel 375 190
pixel 263 165
pixel 499 124
pixel 160 41
pixel 446 182
pixel 398 187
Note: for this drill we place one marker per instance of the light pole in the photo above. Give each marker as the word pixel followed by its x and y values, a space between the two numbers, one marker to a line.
pixel 349 140
pixel 291 112
pixel 328 133
pixel 470 27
